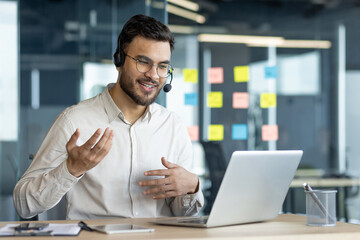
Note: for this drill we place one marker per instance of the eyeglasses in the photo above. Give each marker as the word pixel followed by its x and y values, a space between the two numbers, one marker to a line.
pixel 143 66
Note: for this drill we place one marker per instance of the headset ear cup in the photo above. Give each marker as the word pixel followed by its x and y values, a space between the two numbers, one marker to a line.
pixel 116 58
pixel 121 57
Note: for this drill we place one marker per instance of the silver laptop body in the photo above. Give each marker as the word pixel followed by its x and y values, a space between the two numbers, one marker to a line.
pixel 253 189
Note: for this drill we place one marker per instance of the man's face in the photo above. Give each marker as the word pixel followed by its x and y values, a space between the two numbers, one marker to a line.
pixel 143 88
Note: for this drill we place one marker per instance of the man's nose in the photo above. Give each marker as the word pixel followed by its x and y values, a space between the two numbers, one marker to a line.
pixel 152 73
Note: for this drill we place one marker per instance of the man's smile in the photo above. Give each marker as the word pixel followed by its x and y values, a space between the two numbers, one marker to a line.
pixel 148 86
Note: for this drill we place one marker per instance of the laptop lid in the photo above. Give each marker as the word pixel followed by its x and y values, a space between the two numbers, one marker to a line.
pixel 254 186
pixel 253 189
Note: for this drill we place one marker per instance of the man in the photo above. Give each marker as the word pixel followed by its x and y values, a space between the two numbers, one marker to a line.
pixel 136 167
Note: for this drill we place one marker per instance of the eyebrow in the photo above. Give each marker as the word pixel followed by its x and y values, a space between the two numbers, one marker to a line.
pixel 150 60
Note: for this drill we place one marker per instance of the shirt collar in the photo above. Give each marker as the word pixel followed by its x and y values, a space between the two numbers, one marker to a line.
pixel 148 113
pixel 110 107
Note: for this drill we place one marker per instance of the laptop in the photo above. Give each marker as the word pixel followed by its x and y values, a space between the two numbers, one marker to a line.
pixel 253 189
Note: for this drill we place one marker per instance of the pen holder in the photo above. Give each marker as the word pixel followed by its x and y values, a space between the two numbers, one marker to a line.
pixel 321 208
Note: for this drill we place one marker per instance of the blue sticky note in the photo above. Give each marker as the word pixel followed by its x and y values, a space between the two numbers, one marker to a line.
pixel 191 99
pixel 239 132
pixel 271 72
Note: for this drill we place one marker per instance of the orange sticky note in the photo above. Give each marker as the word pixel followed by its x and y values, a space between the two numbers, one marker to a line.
pixel 190 75
pixel 240 100
pixel 193 132
pixel 241 74
pixel 216 132
pixel 270 132
pixel 216 75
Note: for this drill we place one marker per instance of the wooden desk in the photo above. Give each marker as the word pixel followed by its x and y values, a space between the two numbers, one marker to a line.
pixel 286 226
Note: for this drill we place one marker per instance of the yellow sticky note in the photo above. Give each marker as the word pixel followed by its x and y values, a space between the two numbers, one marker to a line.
pixel 270 132
pixel 190 75
pixel 241 74
pixel 267 100
pixel 215 100
pixel 216 132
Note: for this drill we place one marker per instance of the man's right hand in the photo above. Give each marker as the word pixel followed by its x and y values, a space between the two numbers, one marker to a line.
pixel 83 158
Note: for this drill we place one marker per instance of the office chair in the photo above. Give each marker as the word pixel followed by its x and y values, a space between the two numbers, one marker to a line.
pixel 216 163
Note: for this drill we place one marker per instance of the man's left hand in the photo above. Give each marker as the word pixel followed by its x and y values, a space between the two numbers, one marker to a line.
pixel 177 181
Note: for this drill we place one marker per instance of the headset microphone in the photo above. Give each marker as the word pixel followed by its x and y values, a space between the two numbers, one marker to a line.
pixel 168 86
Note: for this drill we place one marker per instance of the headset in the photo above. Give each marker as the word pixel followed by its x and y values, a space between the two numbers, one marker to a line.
pixel 119 59
pixel 168 86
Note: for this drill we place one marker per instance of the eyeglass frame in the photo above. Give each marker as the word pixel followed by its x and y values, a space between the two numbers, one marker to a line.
pixel 169 72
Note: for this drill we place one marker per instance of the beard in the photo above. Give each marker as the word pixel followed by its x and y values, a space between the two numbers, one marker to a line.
pixel 128 86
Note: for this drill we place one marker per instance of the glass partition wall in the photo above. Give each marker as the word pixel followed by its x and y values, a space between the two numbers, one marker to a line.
pixel 9 105
pixel 288 80
pixel 277 75
pixel 60 45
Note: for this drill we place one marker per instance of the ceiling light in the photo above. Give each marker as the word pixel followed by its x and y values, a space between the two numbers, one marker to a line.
pixel 305 44
pixel 264 41
pixel 244 39
pixel 298 44
pixel 185 14
pixel 182 29
pixel 186 4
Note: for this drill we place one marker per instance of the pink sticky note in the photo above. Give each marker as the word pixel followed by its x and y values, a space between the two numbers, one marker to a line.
pixel 216 75
pixel 240 100
pixel 193 132
pixel 270 133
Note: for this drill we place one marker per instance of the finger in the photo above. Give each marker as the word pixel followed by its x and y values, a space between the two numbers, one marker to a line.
pixel 73 139
pixel 157 190
pixel 168 164
pixel 107 146
pixel 101 143
pixel 167 194
pixel 92 140
pixel 158 172
pixel 155 182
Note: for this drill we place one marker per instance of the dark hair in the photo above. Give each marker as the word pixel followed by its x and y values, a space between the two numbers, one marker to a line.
pixel 145 26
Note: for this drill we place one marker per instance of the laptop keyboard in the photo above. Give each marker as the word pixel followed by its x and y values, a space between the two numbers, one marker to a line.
pixel 197 221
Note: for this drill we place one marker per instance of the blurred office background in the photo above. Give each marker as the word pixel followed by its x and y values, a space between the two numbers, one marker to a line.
pixel 289 79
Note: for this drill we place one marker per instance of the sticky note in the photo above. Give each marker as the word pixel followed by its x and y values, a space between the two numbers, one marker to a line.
pixel 271 72
pixel 241 74
pixel 215 75
pixel 239 132
pixel 216 132
pixel 190 75
pixel 240 100
pixel 270 133
pixel 267 100
pixel 215 100
pixel 191 99
pixel 193 132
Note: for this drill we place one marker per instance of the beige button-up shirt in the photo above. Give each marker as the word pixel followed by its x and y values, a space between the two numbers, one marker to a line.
pixel 111 188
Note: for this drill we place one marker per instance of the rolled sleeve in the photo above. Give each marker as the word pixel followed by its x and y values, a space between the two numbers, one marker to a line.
pixel 187 205
pixel 38 194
